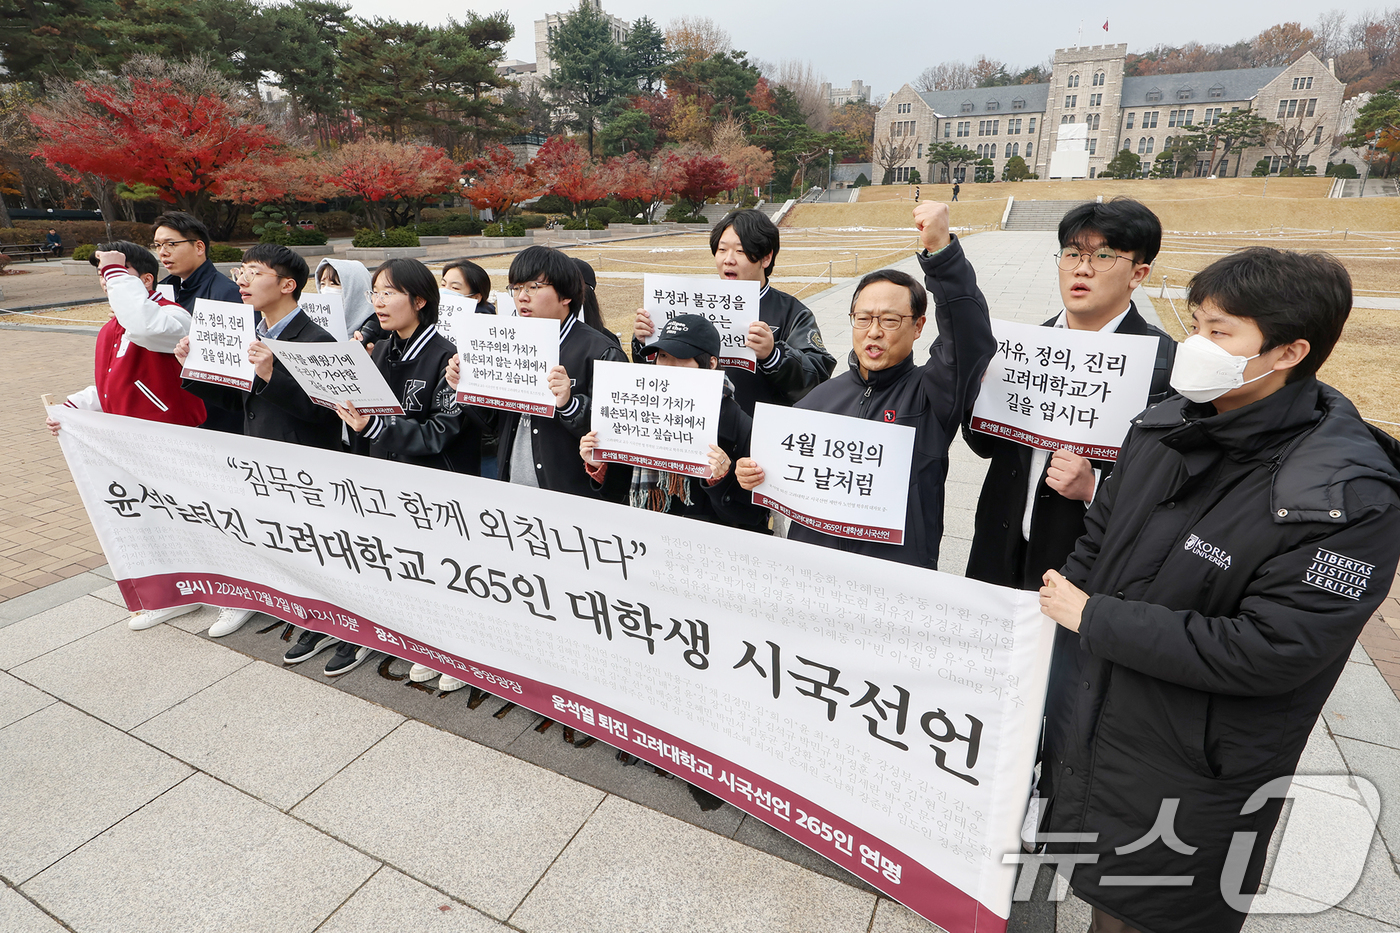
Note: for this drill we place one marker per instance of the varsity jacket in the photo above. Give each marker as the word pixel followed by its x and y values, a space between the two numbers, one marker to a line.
pixel 278 409
pixel 554 441
pixel 999 553
pixel 434 430
pixel 799 362
pixel 931 398
pixel 135 372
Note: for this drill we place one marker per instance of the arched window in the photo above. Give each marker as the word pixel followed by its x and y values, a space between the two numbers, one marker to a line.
pixel 1028 150
pixel 1073 81
pixel 1015 149
pixel 994 151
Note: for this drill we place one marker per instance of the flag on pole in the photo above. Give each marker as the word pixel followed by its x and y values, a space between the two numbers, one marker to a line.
pixel 1105 25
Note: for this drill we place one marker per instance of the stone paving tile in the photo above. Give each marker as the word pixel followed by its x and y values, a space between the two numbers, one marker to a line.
pixel 126 677
pixel 28 604
pixel 17 915
pixel 1331 921
pixel 18 700
pixel 36 363
pixel 203 857
pixel 727 886
pixel 1381 766
pixel 759 835
pixel 393 901
pixel 484 831
pixel 67 778
pixel 1363 706
pixel 269 733
pixel 891 917
pixel 39 634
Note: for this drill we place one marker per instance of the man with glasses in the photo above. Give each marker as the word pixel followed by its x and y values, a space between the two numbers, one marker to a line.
pixel 181 243
pixel 1032 505
pixel 271 279
pixel 888 313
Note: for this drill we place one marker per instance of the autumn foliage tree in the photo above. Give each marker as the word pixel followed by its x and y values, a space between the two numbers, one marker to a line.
pixel 393 179
pixel 287 183
pixel 178 127
pixel 564 168
pixel 496 183
pixel 645 186
pixel 704 176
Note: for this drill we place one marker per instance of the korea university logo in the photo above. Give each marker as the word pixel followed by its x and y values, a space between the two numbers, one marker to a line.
pixel 1217 556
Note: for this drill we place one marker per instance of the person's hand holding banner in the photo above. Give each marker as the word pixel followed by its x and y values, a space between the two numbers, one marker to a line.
pixel 332 374
pixel 220 333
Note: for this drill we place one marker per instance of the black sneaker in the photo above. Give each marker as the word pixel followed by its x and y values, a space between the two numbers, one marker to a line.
pixel 308 644
pixel 347 658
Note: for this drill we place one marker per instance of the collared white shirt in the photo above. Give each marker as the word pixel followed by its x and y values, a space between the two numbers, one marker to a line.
pixel 1039 458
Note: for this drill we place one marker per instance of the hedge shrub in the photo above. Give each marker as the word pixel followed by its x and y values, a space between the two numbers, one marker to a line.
pixel 292 236
pixel 512 228
pixel 84 252
pixel 369 238
pixel 222 252
pixel 530 221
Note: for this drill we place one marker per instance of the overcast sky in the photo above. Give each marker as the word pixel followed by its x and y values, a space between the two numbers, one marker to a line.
pixel 882 50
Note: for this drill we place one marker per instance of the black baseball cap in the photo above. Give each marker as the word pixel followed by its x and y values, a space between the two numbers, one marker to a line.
pixel 686 336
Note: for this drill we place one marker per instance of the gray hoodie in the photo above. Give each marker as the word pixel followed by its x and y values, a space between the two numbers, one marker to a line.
pixel 354 283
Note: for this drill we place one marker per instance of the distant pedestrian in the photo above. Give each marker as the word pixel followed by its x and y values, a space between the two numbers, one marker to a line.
pixel 956 188
pixel 54 242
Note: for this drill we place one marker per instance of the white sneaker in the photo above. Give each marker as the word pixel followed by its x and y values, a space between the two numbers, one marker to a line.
pixel 448 684
pixel 150 618
pixel 230 621
pixel 419 673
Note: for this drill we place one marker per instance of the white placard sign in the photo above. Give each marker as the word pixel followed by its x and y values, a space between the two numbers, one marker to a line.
pixel 505 363
pixel 842 476
pixel 220 332
pixel 661 417
pixel 1051 387
pixel 731 306
pixel 452 309
pixel 330 373
pixel 884 715
pixel 326 309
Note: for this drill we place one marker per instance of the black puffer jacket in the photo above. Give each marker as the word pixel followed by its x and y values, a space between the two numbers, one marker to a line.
pixel 1232 560
pixel 931 398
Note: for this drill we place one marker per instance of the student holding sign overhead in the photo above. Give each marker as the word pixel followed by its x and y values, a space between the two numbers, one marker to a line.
pixel 792 360
pixel 888 313
pixel 1032 505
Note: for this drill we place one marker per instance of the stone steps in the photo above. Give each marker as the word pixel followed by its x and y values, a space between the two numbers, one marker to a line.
pixel 1038 215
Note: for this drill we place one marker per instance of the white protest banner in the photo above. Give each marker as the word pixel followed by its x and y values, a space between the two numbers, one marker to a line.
pixel 219 336
pixel 326 309
pixel 453 308
pixel 1051 387
pixel 506 364
pixel 730 305
pixel 661 417
pixel 842 476
pixel 330 373
pixel 884 715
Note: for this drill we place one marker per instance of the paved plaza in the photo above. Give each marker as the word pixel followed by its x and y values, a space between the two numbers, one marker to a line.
pixel 162 780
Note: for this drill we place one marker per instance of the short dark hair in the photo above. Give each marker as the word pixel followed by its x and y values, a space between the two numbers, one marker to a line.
pixel 477 278
pixel 555 267
pixel 918 298
pixel 757 233
pixel 187 224
pixel 1124 224
pixel 281 260
pixel 137 256
pixel 412 277
pixel 1288 295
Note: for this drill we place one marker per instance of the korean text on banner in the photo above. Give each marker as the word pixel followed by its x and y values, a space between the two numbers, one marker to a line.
pixel 839 475
pixel 884 715
pixel 731 306
pixel 453 309
pixel 661 417
pixel 331 373
pixel 219 336
pixel 1051 387
pixel 327 309
pixel 505 364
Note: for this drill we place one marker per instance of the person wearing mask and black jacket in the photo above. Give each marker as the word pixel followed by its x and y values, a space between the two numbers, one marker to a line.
pixel 888 313
pixel 792 360
pixel 538 451
pixel 1250 528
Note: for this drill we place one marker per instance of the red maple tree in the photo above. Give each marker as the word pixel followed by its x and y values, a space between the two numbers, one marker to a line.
pixel 705 175
pixel 564 168
pixel 176 127
pixel 647 185
pixel 392 179
pixel 496 183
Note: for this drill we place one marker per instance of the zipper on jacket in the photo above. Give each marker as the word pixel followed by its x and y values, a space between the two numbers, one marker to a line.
pixel 868 390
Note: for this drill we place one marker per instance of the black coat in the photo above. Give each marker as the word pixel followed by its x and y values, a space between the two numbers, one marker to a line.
pixel 434 430
pixel 1232 560
pixel 554 441
pixel 932 399
pixel 800 361
pixel 279 410
pixel 999 554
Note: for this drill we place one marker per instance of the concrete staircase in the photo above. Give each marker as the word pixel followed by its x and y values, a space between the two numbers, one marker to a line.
pixel 1038 215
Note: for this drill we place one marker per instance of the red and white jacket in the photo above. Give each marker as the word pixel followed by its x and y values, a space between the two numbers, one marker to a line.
pixel 136 371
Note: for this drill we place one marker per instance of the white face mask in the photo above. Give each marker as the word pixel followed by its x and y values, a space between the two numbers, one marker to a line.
pixel 1204 371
